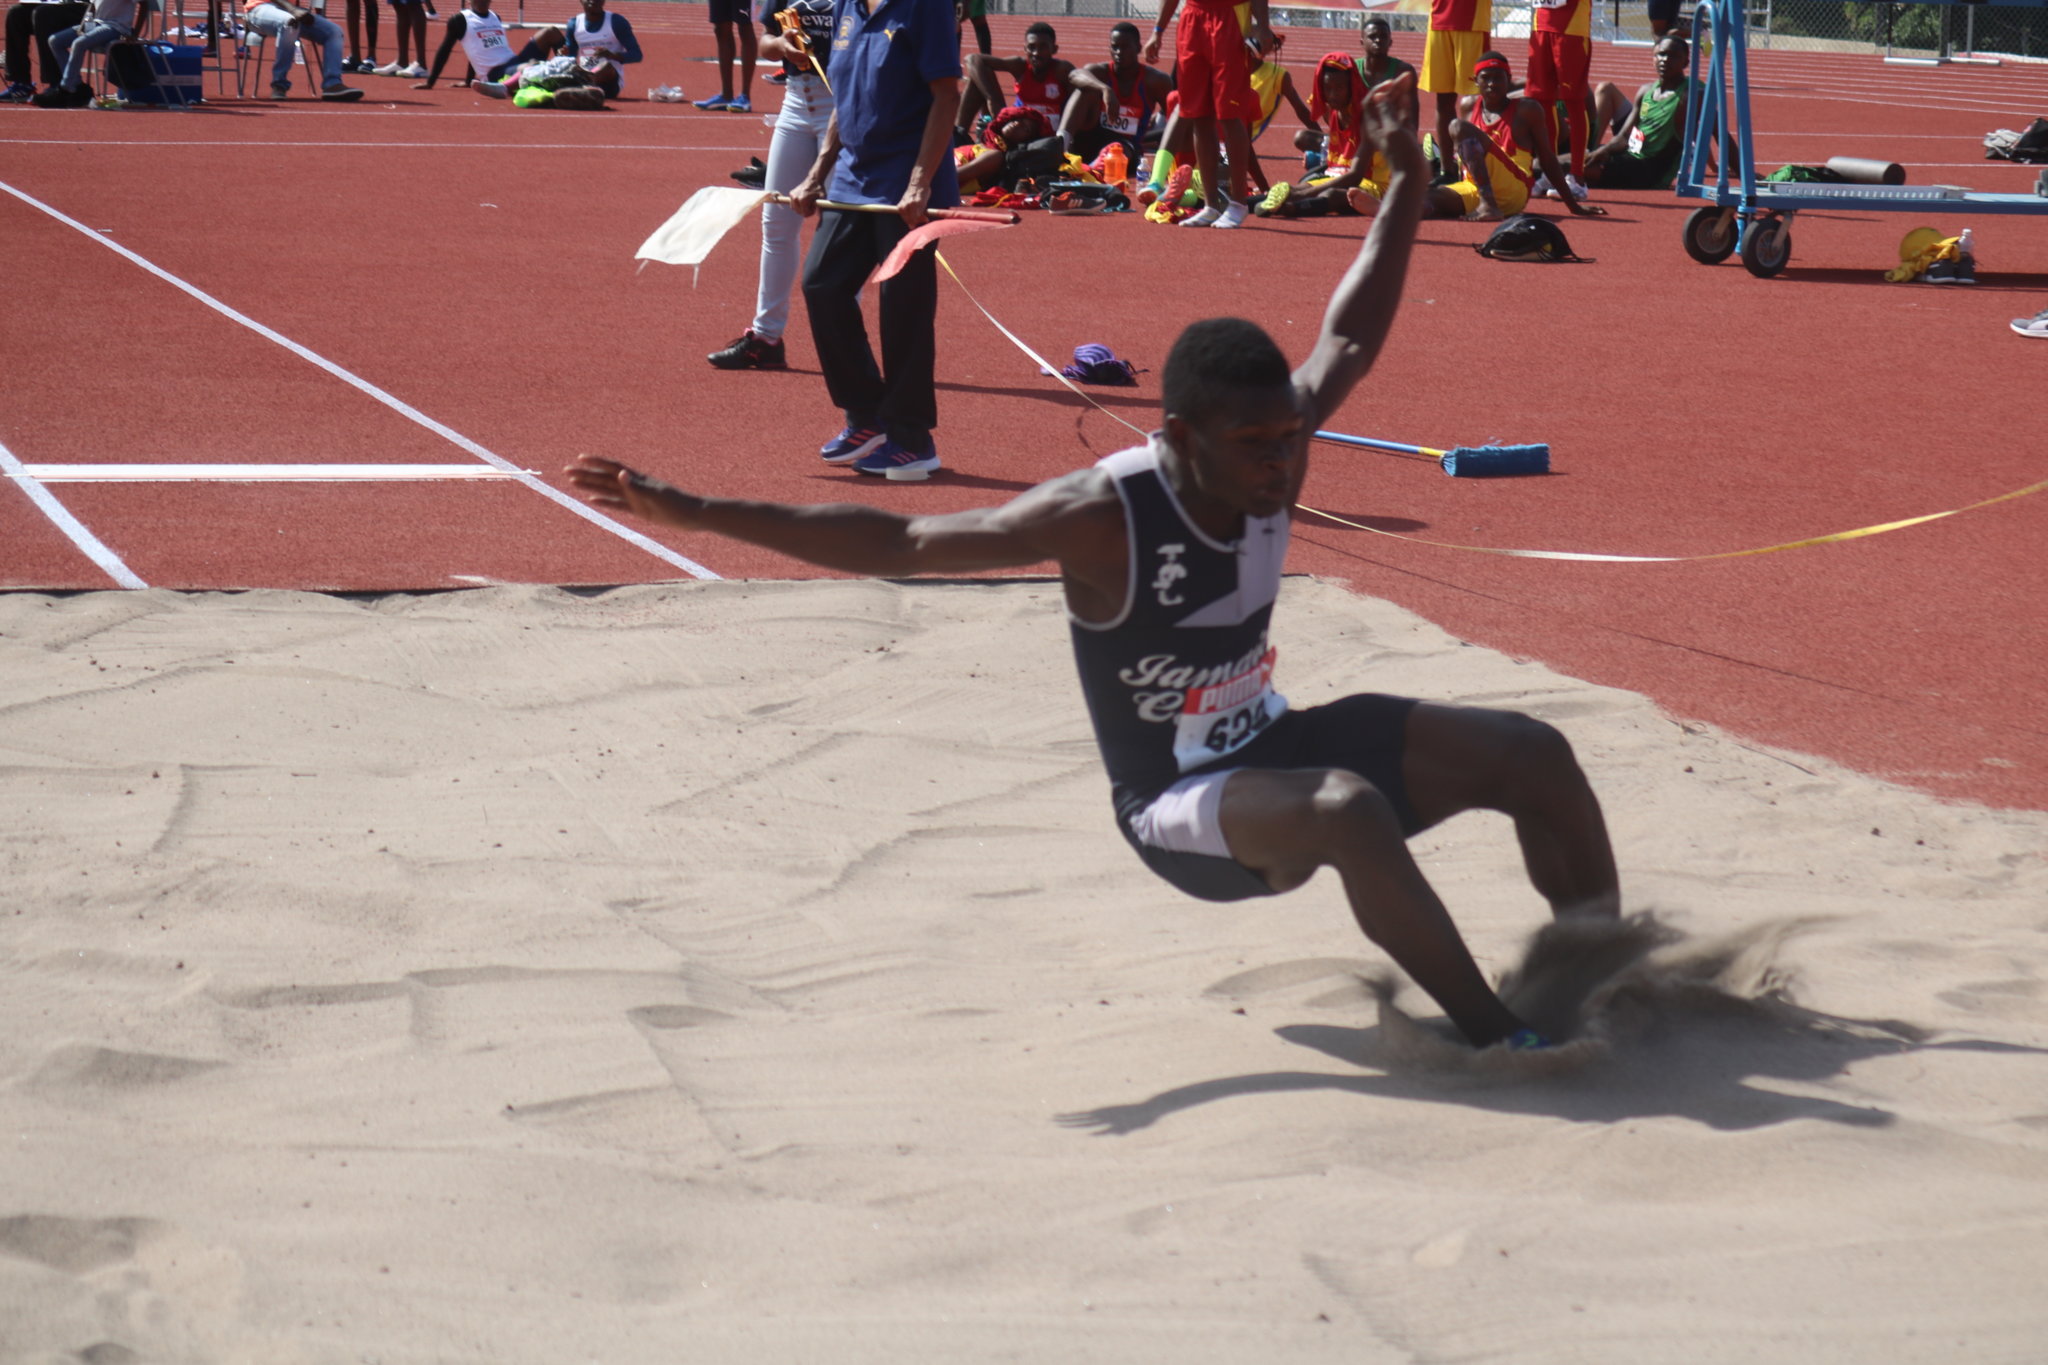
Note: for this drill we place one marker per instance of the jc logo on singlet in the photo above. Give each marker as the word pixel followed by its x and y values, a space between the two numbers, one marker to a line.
pixel 1171 571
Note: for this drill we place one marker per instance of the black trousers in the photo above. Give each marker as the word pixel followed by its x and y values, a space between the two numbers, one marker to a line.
pixel 26 23
pixel 897 397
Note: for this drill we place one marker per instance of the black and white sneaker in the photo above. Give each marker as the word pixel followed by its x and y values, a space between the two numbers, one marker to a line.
pixel 750 352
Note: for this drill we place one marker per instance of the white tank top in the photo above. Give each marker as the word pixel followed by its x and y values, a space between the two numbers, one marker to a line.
pixel 484 41
pixel 600 38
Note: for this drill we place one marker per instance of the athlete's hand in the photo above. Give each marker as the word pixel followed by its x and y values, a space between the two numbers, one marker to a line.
pixel 617 488
pixel 1150 52
pixel 1585 210
pixel 1384 126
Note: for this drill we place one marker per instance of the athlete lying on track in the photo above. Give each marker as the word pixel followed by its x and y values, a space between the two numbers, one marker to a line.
pixel 1170 555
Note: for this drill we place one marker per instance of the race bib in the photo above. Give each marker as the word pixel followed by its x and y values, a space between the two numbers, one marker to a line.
pixel 493 39
pixel 1223 718
pixel 1635 142
pixel 1120 122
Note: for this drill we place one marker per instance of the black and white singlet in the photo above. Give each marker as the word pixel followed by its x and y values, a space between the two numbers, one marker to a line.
pixel 1183 675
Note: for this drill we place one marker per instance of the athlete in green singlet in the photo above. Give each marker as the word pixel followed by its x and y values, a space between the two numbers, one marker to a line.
pixel 1644 152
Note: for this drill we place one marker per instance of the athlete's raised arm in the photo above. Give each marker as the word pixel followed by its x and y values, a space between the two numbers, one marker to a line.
pixel 1075 520
pixel 1362 310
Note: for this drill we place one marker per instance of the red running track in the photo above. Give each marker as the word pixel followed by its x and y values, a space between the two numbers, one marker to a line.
pixel 472 262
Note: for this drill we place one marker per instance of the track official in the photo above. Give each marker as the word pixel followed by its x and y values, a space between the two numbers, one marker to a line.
pixel 896 74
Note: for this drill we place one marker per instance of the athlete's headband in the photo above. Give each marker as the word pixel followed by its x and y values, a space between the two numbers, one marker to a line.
pixel 1492 64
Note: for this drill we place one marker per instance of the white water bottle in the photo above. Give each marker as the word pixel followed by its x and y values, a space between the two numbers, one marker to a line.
pixel 666 94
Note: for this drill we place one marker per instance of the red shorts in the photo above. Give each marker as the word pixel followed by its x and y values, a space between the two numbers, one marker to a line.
pixel 1215 66
pixel 1559 66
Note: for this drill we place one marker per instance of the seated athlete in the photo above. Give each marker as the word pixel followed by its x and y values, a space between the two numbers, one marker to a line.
pixel 1350 168
pixel 486 42
pixel 1378 64
pixel 1120 100
pixel 596 29
pixel 996 161
pixel 1498 143
pixel 1043 78
pixel 1170 557
pixel 1645 150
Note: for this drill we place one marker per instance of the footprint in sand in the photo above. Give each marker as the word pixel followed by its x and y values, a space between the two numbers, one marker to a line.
pixel 83 1070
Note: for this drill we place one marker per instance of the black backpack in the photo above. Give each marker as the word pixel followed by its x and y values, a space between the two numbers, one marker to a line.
pixel 1525 237
pixel 2030 146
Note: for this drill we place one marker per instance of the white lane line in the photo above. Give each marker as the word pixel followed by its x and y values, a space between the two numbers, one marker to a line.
pixel 46 502
pixel 258 473
pixel 399 406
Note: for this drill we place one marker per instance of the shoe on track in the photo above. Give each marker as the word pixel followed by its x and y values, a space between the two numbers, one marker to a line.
pixel 496 90
pixel 740 104
pixel 750 353
pixel 1206 217
pixel 712 102
pixel 1572 183
pixel 278 92
pixel 1233 216
pixel 340 94
pixel 900 463
pixel 1275 197
pixel 418 71
pixel 851 444
pixel 2035 326
pixel 388 69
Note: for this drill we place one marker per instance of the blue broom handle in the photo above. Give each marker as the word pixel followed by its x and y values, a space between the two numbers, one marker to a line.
pixel 1370 444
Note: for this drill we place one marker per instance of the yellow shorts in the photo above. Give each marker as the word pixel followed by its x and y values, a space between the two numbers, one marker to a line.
pixel 1510 195
pixel 1447 61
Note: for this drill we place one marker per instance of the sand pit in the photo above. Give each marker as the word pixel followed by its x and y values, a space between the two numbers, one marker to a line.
pixel 749 972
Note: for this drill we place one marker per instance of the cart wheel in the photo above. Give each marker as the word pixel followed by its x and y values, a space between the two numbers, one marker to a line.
pixel 1767 247
pixel 1710 235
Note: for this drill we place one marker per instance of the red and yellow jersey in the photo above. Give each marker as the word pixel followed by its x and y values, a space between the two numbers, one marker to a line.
pixel 1574 18
pixel 1461 16
pixel 1501 133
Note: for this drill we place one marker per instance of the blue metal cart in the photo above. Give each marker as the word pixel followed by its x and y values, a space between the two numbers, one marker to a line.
pixel 1754 217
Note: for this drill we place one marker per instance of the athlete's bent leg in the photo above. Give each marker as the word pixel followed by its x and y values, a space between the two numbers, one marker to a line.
pixel 1286 824
pixel 1463 758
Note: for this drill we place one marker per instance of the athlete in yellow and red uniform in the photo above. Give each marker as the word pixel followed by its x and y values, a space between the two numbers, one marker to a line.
pixel 1501 146
pixel 1459 30
pixel 1560 60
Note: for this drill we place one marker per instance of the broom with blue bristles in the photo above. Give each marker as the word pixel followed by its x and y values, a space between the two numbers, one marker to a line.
pixel 1464 462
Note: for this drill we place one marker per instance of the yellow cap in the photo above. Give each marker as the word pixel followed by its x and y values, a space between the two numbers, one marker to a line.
pixel 1917 241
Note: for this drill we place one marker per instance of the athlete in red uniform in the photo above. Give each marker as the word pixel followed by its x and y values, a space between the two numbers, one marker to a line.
pixel 1216 97
pixel 1044 81
pixel 1560 60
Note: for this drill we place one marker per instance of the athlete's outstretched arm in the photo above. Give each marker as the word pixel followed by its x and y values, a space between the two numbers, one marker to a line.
pixel 1059 520
pixel 1362 310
